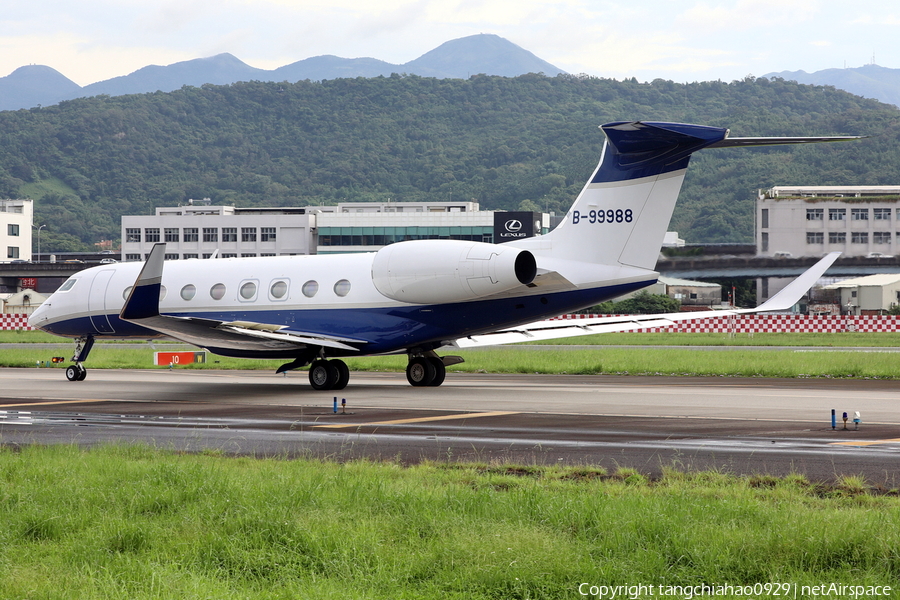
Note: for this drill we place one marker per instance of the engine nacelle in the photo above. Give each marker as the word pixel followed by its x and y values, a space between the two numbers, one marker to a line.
pixel 437 271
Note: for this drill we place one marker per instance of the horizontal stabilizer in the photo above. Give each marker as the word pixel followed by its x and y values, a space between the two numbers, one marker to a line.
pixel 744 142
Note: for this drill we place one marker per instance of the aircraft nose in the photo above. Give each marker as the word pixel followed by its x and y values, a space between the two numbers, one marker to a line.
pixel 38 316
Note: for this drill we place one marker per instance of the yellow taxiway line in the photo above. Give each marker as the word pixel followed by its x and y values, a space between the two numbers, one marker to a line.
pixel 419 419
pixel 867 443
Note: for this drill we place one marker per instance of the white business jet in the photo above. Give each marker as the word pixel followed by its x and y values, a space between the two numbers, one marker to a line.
pixel 416 297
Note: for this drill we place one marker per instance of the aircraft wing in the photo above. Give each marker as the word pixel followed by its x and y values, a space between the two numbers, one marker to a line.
pixel 142 308
pixel 557 329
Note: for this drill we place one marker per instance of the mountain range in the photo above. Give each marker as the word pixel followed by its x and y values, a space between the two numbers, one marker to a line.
pixel 38 85
pixel 869 81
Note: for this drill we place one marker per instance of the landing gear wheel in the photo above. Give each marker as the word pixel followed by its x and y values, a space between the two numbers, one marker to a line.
pixel 342 374
pixel 420 372
pixel 76 372
pixel 320 375
pixel 440 371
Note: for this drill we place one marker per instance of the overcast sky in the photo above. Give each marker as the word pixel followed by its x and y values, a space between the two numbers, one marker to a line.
pixel 689 40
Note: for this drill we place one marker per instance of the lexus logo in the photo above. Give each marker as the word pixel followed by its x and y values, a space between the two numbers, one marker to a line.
pixel 513 225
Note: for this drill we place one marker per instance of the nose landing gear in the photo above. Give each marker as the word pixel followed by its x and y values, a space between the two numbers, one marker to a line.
pixel 83 346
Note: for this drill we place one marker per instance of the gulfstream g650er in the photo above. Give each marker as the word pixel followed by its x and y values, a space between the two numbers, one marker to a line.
pixel 415 297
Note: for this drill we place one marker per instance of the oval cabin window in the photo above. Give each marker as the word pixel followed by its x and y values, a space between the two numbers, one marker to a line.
pixel 310 288
pixel 342 288
pixel 217 291
pixel 278 289
pixel 248 291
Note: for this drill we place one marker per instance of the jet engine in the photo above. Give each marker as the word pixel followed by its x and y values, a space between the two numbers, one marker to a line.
pixel 437 271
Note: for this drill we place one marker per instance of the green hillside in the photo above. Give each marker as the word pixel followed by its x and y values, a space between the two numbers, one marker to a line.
pixel 528 142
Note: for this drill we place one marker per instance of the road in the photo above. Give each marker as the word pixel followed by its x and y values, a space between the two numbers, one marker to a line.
pixel 736 425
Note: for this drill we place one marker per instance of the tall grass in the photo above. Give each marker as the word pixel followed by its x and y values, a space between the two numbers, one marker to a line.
pixel 505 359
pixel 135 522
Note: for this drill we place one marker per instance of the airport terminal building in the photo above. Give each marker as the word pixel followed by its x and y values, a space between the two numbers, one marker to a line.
pixel 198 230
pixel 814 220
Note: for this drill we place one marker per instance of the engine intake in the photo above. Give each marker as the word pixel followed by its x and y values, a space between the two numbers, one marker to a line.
pixel 437 271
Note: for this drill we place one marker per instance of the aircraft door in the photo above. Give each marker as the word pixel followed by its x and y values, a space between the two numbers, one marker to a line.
pixel 97 302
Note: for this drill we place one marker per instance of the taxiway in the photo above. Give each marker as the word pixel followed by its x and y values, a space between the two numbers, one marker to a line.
pixel 738 425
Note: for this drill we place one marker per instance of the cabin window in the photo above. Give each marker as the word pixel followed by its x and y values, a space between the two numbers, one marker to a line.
pixel 126 292
pixel 67 285
pixel 248 290
pixel 278 290
pixel 342 288
pixel 310 288
pixel 162 292
pixel 217 292
pixel 189 291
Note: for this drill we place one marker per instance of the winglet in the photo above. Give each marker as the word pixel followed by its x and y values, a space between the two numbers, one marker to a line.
pixel 143 301
pixel 791 294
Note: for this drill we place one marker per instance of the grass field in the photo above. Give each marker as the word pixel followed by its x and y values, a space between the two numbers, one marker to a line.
pixel 135 522
pixel 675 359
pixel 138 522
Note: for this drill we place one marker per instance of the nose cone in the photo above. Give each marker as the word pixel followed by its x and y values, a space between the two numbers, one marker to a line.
pixel 39 316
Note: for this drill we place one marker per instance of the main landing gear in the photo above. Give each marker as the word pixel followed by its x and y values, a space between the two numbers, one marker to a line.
pixel 429 369
pixel 328 374
pixel 425 371
pixel 83 346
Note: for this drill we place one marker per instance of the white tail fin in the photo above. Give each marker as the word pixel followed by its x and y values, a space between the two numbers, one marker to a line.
pixel 621 216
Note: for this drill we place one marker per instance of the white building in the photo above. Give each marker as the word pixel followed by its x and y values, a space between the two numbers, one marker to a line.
pixel 368 226
pixel 815 220
pixel 16 218
pixel 197 231
pixel 869 295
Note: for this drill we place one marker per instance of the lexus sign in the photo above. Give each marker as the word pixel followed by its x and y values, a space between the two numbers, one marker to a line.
pixel 510 226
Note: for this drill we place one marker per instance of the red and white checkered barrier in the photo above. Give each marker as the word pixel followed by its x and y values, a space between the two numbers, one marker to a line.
pixel 775 324
pixel 16 321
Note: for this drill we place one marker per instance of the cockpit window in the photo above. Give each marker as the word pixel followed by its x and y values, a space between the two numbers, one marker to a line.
pixel 67 285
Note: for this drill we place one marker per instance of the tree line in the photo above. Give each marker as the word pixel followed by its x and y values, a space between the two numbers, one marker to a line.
pixel 523 143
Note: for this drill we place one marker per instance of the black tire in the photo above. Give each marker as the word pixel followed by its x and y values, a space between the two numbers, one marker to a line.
pixel 76 372
pixel 320 375
pixel 420 372
pixel 440 371
pixel 343 374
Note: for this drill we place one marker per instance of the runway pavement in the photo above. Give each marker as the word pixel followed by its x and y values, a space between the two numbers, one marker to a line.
pixel 736 425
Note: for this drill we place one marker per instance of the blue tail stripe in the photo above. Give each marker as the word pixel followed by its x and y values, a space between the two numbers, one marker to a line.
pixel 645 149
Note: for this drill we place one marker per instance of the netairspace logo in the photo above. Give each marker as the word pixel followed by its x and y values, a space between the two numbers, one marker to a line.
pixel 757 590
